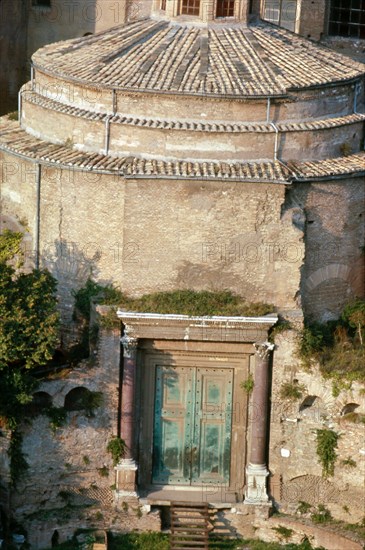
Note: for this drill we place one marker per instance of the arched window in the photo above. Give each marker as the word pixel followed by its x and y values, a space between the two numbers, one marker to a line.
pixel 225 8
pixel 190 7
pixel 347 18
pixel 281 12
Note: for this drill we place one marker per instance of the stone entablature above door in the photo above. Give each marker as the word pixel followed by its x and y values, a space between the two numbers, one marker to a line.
pixel 184 327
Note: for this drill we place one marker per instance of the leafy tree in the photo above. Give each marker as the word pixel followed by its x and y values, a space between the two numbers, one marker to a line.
pixel 28 335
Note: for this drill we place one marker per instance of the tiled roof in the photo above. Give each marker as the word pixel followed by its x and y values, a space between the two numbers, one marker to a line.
pixel 352 165
pixel 224 60
pixel 15 140
pixel 197 126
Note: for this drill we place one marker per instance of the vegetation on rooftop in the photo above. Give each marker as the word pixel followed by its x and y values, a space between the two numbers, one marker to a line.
pixel 182 302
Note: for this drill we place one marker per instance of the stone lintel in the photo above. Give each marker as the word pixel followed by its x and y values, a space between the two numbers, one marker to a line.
pixel 185 327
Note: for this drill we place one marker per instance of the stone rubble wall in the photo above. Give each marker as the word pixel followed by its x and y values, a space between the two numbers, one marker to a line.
pixel 70 478
pixel 296 474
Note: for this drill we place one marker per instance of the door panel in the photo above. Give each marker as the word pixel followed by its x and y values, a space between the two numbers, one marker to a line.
pixel 172 424
pixel 212 428
pixel 192 425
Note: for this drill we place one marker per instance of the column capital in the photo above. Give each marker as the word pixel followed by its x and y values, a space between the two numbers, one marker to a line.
pixel 263 349
pixel 129 343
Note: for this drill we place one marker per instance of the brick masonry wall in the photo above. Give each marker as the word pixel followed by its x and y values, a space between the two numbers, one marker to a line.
pixel 155 235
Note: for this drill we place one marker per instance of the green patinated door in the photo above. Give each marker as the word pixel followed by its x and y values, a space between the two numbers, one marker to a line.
pixel 192 425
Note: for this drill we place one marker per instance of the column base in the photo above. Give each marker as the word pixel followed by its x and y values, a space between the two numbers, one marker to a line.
pixel 126 479
pixel 256 492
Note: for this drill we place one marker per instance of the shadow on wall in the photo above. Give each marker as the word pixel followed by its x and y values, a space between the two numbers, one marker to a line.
pixel 333 272
pixel 71 267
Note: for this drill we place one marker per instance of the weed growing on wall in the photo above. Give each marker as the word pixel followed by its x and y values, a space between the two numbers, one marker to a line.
pixel 321 515
pixel 248 384
pixel 292 391
pixel 117 448
pixel 57 417
pixel 326 450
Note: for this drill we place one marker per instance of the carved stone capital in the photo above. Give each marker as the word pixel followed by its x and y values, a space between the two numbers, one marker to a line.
pixel 263 349
pixel 129 344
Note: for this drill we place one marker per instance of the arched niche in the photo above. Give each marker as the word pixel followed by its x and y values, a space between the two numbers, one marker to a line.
pixel 311 401
pixel 76 399
pixel 349 408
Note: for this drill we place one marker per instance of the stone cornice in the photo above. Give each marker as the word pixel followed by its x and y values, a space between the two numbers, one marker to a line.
pixel 184 327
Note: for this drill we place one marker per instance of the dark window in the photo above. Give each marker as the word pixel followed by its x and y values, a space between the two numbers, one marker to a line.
pixel 347 18
pixel 281 12
pixel 190 7
pixel 163 5
pixel 43 3
pixel 225 8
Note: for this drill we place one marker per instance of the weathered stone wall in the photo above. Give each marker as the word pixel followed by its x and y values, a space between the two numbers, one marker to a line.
pixel 313 22
pixel 13 40
pixel 333 271
pixel 296 474
pixel 226 145
pixel 194 242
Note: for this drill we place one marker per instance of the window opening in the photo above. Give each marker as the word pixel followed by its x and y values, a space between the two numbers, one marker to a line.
pixel 225 8
pixel 281 12
pixel 190 7
pixel 163 5
pixel 347 18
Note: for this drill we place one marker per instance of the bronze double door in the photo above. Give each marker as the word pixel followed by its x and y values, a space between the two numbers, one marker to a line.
pixel 192 425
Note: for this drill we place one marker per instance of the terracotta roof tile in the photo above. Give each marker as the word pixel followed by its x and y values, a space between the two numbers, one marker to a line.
pixel 15 140
pixel 156 56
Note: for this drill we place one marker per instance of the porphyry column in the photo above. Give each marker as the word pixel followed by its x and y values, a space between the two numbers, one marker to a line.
pixel 256 492
pixel 126 470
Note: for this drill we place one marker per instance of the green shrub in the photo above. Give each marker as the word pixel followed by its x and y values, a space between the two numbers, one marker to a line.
pixel 283 532
pixel 321 515
pixel 303 507
pixel 189 302
pixel 337 346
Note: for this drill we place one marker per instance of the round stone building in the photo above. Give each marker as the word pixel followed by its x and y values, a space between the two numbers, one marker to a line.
pixel 193 150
